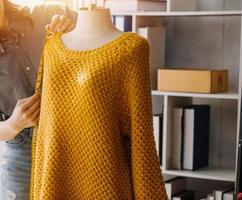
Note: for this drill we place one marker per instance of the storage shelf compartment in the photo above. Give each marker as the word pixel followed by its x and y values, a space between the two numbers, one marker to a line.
pixel 227 95
pixel 222 137
pixel 205 173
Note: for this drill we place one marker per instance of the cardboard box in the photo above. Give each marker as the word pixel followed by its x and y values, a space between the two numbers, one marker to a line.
pixel 193 80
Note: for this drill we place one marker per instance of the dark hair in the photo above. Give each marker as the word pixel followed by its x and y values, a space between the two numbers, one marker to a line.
pixel 14 12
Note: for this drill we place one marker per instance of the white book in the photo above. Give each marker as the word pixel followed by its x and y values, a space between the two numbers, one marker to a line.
pixel 156 37
pixel 228 195
pixel 123 23
pixel 218 194
pixel 176 161
pixel 134 5
pixel 175 186
pixel 210 197
pixel 188 147
pixel 156 125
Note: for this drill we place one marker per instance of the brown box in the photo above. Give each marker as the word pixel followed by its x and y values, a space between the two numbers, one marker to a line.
pixel 193 80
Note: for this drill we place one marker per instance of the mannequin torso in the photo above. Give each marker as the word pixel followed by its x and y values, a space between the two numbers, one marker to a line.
pixel 94 28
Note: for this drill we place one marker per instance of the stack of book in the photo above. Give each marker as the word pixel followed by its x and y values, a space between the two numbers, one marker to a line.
pixel 136 5
pixel 226 193
pixel 177 189
pixel 158 130
pixel 190 139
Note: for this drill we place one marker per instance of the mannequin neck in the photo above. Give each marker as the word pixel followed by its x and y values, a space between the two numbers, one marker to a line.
pixel 93 22
pixel 94 28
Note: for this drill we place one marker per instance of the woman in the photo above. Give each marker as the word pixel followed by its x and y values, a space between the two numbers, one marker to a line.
pixel 22 34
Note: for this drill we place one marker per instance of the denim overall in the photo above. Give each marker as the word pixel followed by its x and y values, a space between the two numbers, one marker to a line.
pixel 16 167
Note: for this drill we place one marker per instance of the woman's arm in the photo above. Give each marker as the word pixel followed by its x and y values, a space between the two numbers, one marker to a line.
pixel 6 131
pixel 25 114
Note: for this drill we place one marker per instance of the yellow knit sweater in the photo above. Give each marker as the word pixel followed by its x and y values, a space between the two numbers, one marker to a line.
pixel 95 137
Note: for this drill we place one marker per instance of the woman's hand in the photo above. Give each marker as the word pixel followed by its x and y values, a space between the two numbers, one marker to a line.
pixel 25 114
pixel 60 23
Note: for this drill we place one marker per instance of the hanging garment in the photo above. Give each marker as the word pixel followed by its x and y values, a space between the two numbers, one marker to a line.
pixel 95 136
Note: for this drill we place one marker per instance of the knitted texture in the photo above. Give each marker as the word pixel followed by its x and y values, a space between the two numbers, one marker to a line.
pixel 94 140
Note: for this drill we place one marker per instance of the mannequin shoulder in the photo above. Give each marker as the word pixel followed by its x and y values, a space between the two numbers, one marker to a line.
pixel 137 43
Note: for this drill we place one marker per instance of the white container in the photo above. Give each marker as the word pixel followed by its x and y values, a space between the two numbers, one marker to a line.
pixel 156 37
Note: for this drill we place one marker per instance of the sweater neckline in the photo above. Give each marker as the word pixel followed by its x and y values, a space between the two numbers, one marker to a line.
pixel 116 40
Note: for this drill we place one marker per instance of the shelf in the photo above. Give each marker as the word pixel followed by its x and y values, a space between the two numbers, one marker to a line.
pixel 174 14
pixel 206 173
pixel 227 95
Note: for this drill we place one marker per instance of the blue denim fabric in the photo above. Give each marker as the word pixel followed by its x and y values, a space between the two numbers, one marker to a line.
pixel 16 168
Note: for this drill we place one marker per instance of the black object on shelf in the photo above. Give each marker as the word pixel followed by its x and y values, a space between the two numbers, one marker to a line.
pixel 196 137
pixel 239 171
pixel 159 132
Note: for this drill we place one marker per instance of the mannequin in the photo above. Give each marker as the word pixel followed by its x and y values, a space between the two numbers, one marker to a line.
pixel 94 28
pixel 95 128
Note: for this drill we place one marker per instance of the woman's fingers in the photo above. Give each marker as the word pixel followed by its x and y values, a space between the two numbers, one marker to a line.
pixel 21 101
pixel 67 26
pixel 60 23
pixel 36 121
pixel 33 108
pixel 29 102
pixel 57 23
pixel 55 19
pixel 35 115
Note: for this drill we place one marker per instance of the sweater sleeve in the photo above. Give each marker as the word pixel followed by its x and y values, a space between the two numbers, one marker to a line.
pixel 138 126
